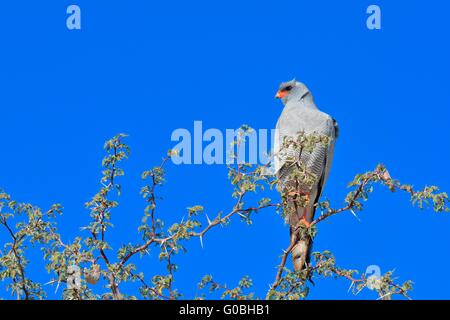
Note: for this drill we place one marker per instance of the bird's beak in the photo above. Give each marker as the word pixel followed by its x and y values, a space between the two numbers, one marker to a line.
pixel 281 94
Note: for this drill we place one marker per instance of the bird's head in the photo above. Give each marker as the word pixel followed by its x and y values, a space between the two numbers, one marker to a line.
pixel 291 90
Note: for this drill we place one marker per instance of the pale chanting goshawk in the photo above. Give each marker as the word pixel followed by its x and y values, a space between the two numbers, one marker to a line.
pixel 301 114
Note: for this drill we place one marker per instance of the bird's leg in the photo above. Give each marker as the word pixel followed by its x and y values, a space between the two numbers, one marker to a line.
pixel 303 219
pixel 300 204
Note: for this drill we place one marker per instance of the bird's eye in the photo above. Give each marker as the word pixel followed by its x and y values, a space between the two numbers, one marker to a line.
pixel 288 88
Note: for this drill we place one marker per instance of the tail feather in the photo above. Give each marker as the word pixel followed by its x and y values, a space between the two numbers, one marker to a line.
pixel 301 254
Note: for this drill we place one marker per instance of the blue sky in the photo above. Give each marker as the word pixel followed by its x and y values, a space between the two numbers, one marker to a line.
pixel 146 68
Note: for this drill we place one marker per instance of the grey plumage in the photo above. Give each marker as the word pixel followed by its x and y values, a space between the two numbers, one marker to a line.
pixel 301 114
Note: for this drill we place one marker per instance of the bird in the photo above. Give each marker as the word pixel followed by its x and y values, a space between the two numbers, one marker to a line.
pixel 301 115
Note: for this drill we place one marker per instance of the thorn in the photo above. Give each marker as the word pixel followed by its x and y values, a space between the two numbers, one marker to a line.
pixel 207 218
pixel 354 214
pixel 243 216
pixel 385 295
pixel 57 286
pixel 350 287
pixel 360 290
pixel 50 282
pixel 201 241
